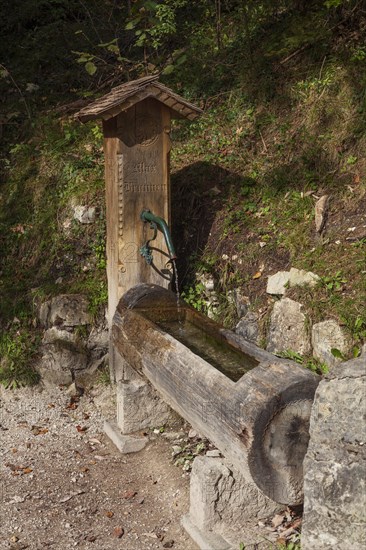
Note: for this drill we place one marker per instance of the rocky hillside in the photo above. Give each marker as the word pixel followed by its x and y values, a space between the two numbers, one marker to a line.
pixel 270 179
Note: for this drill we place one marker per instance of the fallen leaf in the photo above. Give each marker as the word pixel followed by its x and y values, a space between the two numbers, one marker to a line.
pixel 81 428
pixel 257 275
pixel 91 538
pixel 277 520
pixel 95 441
pixel 69 497
pixel 36 430
pixel 109 514
pixel 11 466
pixel 14 450
pixel 292 528
pixel 27 470
pixel 118 532
pixel 17 499
pixel 150 535
pixel 129 494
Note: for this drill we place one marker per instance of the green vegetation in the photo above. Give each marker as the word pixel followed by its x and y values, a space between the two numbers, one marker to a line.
pixel 307 362
pixel 282 85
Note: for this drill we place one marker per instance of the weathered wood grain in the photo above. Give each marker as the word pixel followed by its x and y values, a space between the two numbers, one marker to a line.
pixel 260 422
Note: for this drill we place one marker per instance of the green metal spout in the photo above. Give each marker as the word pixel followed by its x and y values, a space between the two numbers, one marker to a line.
pixel 156 223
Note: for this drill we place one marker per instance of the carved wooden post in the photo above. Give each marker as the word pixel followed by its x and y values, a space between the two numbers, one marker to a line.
pixel 136 125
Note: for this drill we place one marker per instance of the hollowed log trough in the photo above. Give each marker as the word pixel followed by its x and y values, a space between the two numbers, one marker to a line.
pixel 256 413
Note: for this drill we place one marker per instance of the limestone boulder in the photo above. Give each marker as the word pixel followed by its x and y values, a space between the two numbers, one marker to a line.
pixel 61 361
pixel 325 336
pixel 335 463
pixel 241 302
pixel 65 310
pixel 300 277
pixel 288 328
pixel 248 327
pixel 278 282
pixel 84 214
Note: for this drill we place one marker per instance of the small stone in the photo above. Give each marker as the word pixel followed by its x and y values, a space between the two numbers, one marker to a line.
pixel 176 450
pixel 215 453
pixel 300 277
pixel 192 433
pixel 84 214
pixel 118 532
pixel 287 329
pixel 276 283
pixel 248 327
pixel 321 210
pixel 225 257
pixel 326 336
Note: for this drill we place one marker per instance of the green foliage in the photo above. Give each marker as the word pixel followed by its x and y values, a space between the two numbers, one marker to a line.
pixel 308 362
pixel 333 283
pixel 17 350
pixel 104 376
pixel 195 297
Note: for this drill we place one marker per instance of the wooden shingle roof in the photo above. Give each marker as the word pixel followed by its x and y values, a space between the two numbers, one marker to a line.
pixel 126 95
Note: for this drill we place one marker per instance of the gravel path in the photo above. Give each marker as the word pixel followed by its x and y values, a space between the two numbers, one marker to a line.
pixel 64 485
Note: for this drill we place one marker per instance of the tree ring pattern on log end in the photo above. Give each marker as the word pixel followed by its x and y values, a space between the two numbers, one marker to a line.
pixel 276 464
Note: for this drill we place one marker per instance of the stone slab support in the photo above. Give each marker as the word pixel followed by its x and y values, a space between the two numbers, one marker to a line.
pixel 335 463
pixel 225 507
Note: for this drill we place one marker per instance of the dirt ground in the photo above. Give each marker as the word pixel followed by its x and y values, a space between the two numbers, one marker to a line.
pixel 64 485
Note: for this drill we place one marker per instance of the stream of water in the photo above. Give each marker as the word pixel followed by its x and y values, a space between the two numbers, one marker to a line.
pixel 179 312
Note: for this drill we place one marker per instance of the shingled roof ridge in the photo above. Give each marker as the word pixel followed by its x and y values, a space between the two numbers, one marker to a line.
pixel 137 83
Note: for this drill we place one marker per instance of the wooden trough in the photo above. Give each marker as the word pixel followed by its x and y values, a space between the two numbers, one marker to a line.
pixel 253 406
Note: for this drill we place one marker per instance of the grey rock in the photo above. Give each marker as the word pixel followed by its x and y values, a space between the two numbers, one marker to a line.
pixel 287 329
pixel 55 334
pixel 321 210
pixel 60 361
pixel 241 301
pixel 248 327
pixel 300 277
pixel 215 453
pixel 84 214
pixel 276 283
pixel 98 338
pixel 325 336
pixel 65 310
pixel 335 463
